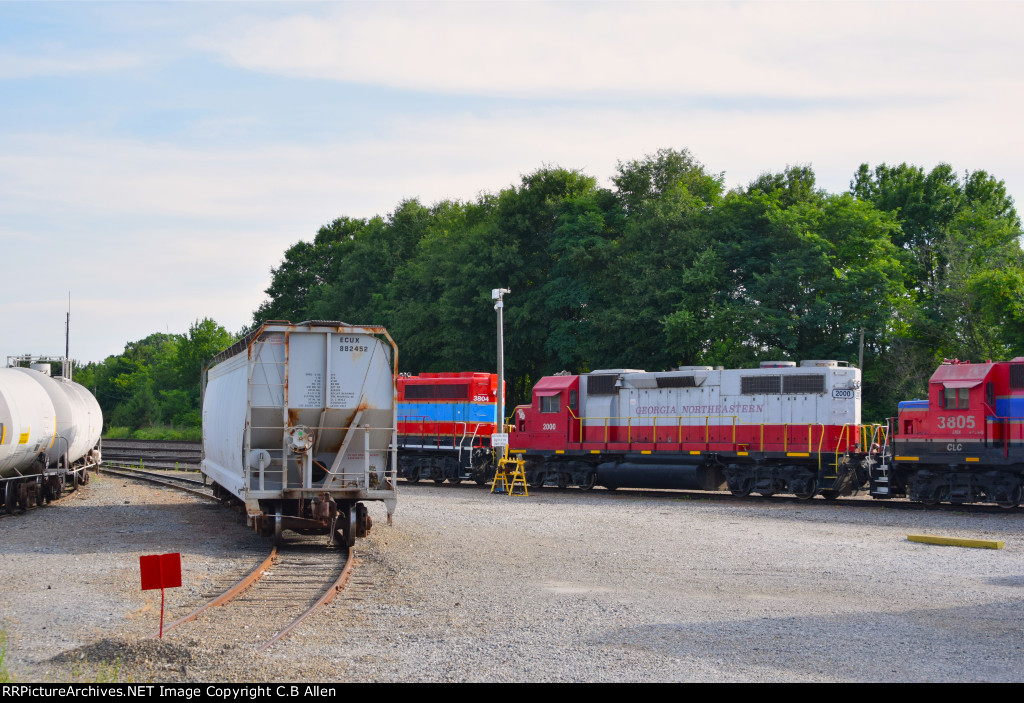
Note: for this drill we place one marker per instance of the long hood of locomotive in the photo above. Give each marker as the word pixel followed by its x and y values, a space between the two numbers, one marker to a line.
pixel 335 384
pixel 827 396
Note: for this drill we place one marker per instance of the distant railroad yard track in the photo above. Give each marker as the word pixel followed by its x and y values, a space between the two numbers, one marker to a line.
pixel 154 453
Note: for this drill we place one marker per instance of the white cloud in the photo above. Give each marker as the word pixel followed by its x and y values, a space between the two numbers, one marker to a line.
pixel 847 50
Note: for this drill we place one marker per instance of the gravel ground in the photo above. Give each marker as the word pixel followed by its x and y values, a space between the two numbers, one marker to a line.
pixel 560 586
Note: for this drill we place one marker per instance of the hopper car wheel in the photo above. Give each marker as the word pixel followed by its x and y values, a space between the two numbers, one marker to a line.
pixel 350 526
pixel 278 530
pixel 1013 498
pixel 589 479
pixel 9 496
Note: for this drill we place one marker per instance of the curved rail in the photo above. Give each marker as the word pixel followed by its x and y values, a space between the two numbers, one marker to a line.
pixel 324 600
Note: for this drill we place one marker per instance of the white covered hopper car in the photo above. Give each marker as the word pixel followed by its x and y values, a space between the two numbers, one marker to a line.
pixel 299 424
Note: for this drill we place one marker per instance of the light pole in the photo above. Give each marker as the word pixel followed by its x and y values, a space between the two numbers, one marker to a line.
pixel 499 409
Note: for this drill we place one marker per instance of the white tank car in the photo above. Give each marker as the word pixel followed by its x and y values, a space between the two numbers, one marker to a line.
pixel 49 434
pixel 298 420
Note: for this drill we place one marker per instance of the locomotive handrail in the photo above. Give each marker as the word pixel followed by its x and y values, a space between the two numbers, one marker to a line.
pixel 735 420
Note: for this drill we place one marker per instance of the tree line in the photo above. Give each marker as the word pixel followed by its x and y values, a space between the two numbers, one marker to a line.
pixel 152 389
pixel 665 268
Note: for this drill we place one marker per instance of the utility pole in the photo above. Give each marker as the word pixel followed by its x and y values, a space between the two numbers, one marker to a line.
pixel 497 294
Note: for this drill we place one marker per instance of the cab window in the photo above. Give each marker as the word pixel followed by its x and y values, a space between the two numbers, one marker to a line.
pixel 955 398
pixel 573 399
pixel 549 404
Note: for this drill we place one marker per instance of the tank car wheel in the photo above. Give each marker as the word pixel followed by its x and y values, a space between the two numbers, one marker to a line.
pixel 23 496
pixel 85 478
pixel 10 489
pixel 74 480
pixel 40 495
pixel 589 480
pixel 743 487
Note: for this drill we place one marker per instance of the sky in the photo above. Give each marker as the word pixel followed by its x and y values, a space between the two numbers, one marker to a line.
pixel 158 158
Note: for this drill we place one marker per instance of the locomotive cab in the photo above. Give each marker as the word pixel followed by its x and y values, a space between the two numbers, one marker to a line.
pixel 552 417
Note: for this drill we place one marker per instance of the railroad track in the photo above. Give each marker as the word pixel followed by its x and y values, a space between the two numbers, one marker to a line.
pixel 276 596
pixel 296 578
pixel 154 453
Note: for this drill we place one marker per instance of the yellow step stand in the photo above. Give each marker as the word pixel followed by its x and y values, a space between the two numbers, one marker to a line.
pixel 510 473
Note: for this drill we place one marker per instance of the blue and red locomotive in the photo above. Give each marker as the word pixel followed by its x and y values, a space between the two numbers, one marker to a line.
pixel 445 423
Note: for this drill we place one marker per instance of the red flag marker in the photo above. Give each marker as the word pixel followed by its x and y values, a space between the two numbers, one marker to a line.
pixel 160 571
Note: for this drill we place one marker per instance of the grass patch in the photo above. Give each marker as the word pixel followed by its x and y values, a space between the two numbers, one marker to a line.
pixel 5 676
pixel 181 434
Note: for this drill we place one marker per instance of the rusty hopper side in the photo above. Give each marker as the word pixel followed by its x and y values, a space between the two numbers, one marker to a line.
pixel 299 424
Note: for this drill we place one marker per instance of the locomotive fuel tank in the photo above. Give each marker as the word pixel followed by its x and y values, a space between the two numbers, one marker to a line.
pixel 298 420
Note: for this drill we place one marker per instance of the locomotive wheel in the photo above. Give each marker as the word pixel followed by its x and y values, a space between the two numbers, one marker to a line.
pixel 744 487
pixel 589 479
pixel 810 487
pixel 413 477
pixel 438 481
pixel 538 480
pixel 455 480
pixel 935 498
pixel 1013 499
pixel 829 495
pixel 563 480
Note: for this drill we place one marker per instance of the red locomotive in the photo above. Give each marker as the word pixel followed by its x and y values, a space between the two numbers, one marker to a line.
pixel 964 444
pixel 778 428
